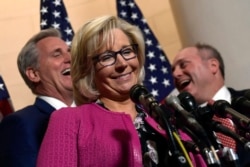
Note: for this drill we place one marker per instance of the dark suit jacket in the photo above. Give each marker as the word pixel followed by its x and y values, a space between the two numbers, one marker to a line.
pixel 244 155
pixel 21 134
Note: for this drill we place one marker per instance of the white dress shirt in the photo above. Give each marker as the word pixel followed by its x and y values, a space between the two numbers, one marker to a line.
pixel 57 104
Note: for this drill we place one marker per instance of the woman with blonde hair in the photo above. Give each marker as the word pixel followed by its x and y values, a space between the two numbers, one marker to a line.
pixel 107 128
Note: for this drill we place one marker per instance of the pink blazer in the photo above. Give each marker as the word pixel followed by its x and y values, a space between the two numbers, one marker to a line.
pixel 74 134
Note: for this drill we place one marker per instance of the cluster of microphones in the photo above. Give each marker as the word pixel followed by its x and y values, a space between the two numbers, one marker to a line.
pixel 198 123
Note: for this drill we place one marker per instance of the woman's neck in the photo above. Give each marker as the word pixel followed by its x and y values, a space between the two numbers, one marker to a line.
pixel 125 106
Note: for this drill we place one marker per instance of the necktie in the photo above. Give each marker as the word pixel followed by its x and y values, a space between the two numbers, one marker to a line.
pixel 226 140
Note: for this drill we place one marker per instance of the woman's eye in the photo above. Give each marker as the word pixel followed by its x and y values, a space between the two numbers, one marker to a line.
pixel 106 57
pixel 127 51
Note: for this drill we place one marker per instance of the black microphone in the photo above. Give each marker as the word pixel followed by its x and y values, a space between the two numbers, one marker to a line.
pixel 140 95
pixel 188 102
pixel 205 114
pixel 187 118
pixel 241 104
pixel 223 109
pixel 189 122
pixel 218 127
pixel 202 114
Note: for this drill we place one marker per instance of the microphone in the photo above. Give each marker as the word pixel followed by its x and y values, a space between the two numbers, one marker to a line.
pixel 218 127
pixel 189 123
pixel 140 95
pixel 202 114
pixel 205 115
pixel 188 102
pixel 241 103
pixel 223 109
pixel 232 159
pixel 187 118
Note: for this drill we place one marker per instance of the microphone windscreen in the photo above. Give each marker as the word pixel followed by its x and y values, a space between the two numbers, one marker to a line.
pixel 187 101
pixel 241 104
pixel 136 91
pixel 205 113
pixel 219 107
pixel 172 100
pixel 238 101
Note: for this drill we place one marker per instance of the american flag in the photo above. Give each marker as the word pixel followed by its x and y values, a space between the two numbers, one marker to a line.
pixel 5 102
pixel 158 79
pixel 54 14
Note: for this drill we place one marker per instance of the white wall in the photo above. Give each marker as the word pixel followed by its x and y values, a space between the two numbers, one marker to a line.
pixel 224 24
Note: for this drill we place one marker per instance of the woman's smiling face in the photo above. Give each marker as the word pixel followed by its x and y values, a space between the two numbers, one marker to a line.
pixel 115 80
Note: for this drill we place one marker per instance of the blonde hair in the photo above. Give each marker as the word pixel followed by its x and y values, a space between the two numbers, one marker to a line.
pixel 87 42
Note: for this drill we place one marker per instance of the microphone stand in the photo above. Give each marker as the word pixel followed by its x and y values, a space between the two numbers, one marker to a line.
pixel 204 116
pixel 196 131
pixel 178 157
pixel 229 157
pixel 208 153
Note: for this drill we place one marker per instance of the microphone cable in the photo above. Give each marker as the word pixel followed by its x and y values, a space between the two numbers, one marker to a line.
pixel 182 147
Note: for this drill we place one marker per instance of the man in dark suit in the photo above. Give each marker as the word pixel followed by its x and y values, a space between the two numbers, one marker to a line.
pixel 199 70
pixel 44 64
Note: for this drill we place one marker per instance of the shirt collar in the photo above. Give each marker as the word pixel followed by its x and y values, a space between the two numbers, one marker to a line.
pixel 222 94
pixel 57 104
